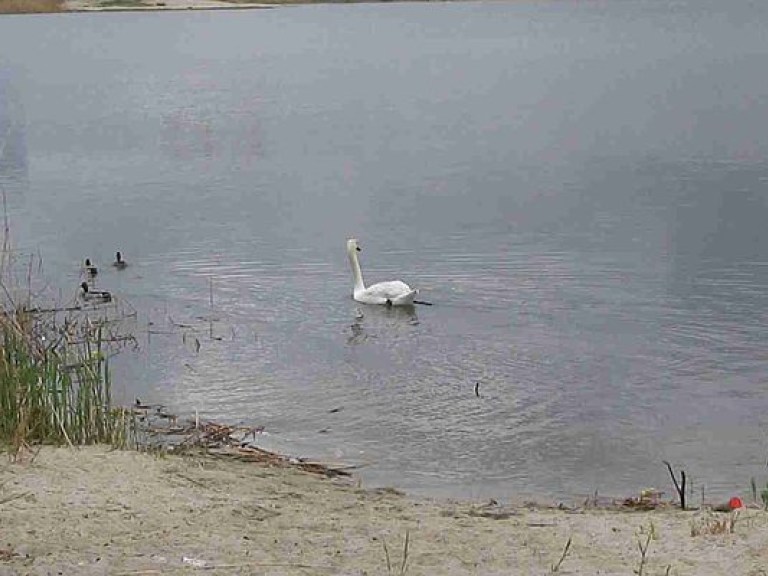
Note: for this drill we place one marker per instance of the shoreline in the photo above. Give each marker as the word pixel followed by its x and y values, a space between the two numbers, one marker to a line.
pixel 170 5
pixel 94 510
pixel 162 5
pixel 79 6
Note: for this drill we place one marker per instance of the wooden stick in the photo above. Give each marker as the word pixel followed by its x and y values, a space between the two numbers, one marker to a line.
pixel 679 487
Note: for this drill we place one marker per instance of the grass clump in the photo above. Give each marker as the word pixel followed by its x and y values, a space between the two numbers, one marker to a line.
pixel 715 525
pixel 403 568
pixel 55 383
pixel 46 400
pixel 763 492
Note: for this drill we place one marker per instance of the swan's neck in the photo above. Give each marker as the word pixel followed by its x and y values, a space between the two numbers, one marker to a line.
pixel 357 274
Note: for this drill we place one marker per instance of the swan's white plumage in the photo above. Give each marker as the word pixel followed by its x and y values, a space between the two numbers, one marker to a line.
pixel 394 293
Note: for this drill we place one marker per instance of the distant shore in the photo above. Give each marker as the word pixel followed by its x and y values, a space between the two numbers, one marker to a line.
pixel 50 6
pixel 99 511
pixel 123 5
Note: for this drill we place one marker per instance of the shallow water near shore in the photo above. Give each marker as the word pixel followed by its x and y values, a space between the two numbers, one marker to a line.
pixel 579 189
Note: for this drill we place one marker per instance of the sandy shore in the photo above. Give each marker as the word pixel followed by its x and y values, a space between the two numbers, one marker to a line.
pixel 96 511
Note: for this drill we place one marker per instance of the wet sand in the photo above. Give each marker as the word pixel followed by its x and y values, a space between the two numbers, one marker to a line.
pixel 98 511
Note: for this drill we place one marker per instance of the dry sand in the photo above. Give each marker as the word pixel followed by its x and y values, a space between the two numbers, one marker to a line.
pixel 96 511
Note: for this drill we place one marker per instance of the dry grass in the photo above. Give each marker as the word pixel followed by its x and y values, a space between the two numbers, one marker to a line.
pixel 713 524
pixel 30 6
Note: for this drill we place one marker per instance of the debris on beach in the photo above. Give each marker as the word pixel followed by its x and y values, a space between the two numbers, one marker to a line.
pixel 649 499
pixel 194 562
pixel 157 429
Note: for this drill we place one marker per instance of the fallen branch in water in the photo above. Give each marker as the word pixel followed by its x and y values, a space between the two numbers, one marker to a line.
pixel 220 441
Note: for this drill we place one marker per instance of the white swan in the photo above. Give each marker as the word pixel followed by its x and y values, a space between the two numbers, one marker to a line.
pixel 394 293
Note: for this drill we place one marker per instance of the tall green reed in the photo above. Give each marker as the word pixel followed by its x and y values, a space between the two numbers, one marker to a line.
pixel 57 394
pixel 55 384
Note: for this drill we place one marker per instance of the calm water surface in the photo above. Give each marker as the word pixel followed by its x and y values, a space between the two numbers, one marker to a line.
pixel 581 189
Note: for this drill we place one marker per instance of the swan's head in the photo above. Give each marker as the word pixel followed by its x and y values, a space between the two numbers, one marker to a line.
pixel 352 246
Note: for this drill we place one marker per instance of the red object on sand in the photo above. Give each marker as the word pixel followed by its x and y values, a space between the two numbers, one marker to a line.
pixel 735 503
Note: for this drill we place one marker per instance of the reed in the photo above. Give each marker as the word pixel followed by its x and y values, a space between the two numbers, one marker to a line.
pixel 55 385
pixel 30 6
pixel 47 400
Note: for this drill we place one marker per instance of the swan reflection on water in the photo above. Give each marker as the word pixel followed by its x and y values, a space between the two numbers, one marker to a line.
pixel 377 316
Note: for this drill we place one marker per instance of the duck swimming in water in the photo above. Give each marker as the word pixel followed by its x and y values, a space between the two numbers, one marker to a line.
pixel 90 268
pixel 119 263
pixel 95 296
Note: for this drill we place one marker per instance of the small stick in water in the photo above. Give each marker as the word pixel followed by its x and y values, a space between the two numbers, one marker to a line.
pixel 477 389
pixel 210 319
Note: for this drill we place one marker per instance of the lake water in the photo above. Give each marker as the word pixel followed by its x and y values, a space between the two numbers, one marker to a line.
pixel 580 189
